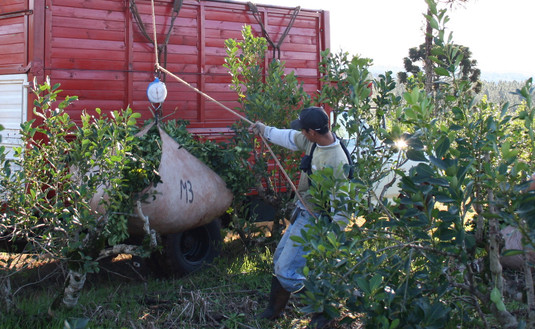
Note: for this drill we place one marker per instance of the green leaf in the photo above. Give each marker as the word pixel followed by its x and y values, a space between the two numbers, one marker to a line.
pixel 297 239
pixel 437 51
pixel 363 285
pixel 394 324
pixel 512 252
pixel 442 71
pixel 332 239
pixel 507 152
pixel 415 96
pixel 433 22
pixel 375 282
pixel 341 262
pixel 416 155
pixel 443 198
pixel 441 164
pixel 496 298
pixel 435 59
pixel 432 6
pixel 495 295
pixel 442 146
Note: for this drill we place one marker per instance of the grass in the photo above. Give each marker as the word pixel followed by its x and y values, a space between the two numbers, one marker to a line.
pixel 226 294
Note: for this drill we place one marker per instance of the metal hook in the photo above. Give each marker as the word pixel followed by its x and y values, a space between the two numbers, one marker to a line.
pixel 157 110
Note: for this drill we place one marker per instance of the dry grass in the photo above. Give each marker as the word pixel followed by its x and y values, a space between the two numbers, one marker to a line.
pixel 127 294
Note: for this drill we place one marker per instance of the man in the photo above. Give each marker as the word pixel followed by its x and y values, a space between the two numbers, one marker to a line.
pixel 311 128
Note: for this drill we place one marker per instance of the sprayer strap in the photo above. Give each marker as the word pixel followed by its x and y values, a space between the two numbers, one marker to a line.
pixel 162 49
pixel 276 47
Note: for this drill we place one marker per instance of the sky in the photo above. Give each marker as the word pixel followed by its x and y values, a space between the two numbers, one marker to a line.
pixel 499 33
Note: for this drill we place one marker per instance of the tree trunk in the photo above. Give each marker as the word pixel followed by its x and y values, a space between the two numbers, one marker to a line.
pixel 494 246
pixel 530 292
pixel 73 285
pixel 428 64
pixel 6 295
pixel 505 318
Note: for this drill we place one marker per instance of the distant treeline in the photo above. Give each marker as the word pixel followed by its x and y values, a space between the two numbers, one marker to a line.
pixel 497 92
pixel 502 91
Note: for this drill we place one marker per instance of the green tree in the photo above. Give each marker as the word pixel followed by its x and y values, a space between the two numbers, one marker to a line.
pixel 274 97
pixel 439 58
pixel 48 189
pixel 431 258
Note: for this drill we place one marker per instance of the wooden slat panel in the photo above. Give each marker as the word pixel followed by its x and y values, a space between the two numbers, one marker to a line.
pixel 94 76
pixel 225 34
pixel 12 39
pixel 9 6
pixel 9 49
pixel 148 57
pixel 114 5
pixel 81 44
pixel 11 25
pixel 78 33
pixel 13 2
pixel 91 104
pixel 86 64
pixel 89 14
pixel 219 25
pixel 87 24
pixel 228 15
pixel 88 54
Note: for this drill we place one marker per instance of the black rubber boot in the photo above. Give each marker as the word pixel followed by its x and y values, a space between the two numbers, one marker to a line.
pixel 278 298
pixel 319 321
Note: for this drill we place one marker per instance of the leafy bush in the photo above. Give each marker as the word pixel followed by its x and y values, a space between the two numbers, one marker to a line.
pixel 63 169
pixel 431 257
pixel 273 98
pixel 57 171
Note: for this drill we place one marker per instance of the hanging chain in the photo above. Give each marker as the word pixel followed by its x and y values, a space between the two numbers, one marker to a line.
pixel 276 47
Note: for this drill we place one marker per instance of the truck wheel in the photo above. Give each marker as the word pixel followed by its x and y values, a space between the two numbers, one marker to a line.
pixel 188 251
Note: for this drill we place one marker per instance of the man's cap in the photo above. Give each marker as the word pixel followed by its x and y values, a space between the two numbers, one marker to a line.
pixel 314 118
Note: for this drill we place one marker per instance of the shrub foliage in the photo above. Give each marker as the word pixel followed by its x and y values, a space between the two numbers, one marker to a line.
pixel 427 258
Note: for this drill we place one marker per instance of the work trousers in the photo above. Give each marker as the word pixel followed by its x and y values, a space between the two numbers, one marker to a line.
pixel 289 259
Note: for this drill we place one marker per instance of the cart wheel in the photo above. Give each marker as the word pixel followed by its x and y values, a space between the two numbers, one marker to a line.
pixel 188 251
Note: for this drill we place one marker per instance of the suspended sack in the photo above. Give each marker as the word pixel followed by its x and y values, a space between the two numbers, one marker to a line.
pixel 189 195
pixel 513 241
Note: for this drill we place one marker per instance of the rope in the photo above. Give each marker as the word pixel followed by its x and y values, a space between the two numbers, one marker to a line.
pixel 156 64
pixel 158 67
pixel 292 185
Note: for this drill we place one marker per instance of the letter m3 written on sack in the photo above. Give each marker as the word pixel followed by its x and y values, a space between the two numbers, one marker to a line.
pixel 186 191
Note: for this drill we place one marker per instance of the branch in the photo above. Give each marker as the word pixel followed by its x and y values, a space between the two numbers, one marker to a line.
pixel 146 225
pixel 119 249
pixel 400 246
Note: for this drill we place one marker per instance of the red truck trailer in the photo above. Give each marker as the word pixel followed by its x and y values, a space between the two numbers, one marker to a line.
pixel 97 50
pixel 100 51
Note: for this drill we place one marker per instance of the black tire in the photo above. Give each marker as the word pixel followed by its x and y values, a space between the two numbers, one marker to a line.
pixel 188 251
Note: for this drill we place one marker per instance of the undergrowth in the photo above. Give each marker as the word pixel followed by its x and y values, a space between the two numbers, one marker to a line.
pixel 126 294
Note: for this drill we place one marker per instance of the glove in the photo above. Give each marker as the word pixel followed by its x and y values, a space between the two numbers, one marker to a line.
pixel 258 128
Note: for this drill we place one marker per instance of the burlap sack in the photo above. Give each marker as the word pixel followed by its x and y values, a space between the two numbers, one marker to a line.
pixel 513 241
pixel 190 194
